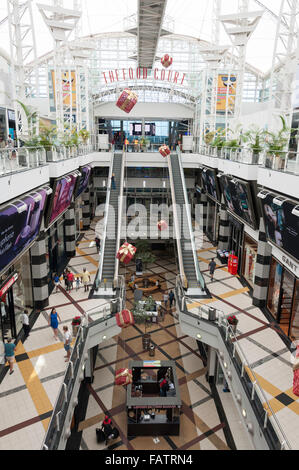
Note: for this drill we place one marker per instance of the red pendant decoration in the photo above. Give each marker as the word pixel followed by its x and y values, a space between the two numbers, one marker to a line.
pixel 123 377
pixel 124 318
pixel 126 253
pixel 162 225
pixel 166 61
pixel 127 100
pixel 164 150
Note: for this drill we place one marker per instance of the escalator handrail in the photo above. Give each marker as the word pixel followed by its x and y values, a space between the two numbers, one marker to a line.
pixel 120 215
pixel 103 241
pixel 199 276
pixel 176 223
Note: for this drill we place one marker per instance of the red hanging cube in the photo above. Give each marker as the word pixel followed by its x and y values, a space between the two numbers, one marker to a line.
pixel 164 150
pixel 162 225
pixel 126 253
pixel 123 377
pixel 124 318
pixel 166 61
pixel 127 100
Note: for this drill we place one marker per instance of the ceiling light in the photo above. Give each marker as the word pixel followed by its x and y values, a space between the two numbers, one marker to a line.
pixel 198 336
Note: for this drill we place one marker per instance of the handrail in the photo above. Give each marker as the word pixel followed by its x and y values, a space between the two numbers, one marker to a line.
pixel 199 276
pixel 101 259
pixel 120 214
pixel 222 322
pixel 176 224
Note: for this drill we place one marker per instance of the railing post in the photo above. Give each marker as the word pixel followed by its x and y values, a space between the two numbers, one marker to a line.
pixel 253 390
pixel 64 391
pixel 266 419
pixel 57 420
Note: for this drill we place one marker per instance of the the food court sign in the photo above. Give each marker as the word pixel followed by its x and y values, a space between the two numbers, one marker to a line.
pixel 142 73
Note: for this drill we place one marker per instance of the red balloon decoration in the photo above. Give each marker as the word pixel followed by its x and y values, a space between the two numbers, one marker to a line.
pixel 166 61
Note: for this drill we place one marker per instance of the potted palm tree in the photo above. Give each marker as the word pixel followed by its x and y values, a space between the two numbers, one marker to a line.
pixel 254 139
pixel 84 134
pixel 276 145
pixel 47 136
pixel 31 138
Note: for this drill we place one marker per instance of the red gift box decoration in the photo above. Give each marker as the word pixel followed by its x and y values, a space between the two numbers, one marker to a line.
pixel 123 377
pixel 124 318
pixel 127 100
pixel 166 61
pixel 162 225
pixel 164 150
pixel 126 253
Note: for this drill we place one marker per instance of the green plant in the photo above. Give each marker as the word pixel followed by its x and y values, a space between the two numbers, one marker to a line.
pixel 276 142
pixel 144 252
pixel 219 139
pixel 30 139
pixel 47 136
pixel 208 137
pixel 84 134
pixel 254 137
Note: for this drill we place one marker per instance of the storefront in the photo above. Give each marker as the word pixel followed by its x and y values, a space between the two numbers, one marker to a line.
pixel 213 218
pixel 236 235
pixel 249 259
pixel 283 298
pixel 79 216
pixel 56 249
pixel 16 295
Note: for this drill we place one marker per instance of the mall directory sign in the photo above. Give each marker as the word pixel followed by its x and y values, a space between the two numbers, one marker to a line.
pixel 61 198
pixel 238 199
pixel 83 180
pixel 19 225
pixel 281 226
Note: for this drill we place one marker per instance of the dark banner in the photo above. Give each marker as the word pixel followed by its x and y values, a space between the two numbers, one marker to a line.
pixel 83 181
pixel 282 227
pixel 19 225
pixel 210 183
pixel 237 195
pixel 63 190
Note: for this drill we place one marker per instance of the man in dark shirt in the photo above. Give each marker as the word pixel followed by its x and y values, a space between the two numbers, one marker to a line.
pixel 212 267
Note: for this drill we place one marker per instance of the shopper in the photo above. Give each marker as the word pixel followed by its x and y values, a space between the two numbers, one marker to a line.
pixel 70 280
pixel 56 280
pixel 9 349
pixel 85 279
pixel 67 342
pixel 25 322
pixel 98 244
pixel 107 428
pixel 164 387
pixel 53 322
pixel 113 181
pixel 65 278
pixel 171 298
pixel 165 298
pixel 212 267
pixel 171 390
pixel 78 282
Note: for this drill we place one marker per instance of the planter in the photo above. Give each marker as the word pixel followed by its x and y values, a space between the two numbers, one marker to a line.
pixel 146 340
pixel 234 328
pixel 75 329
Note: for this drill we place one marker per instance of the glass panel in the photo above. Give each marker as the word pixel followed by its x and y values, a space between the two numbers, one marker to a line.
pixel 274 288
pixel 287 291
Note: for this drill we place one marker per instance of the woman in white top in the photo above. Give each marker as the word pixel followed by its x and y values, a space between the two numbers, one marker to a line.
pixel 67 342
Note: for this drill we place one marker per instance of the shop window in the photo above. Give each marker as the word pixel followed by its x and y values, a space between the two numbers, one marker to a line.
pixel 295 314
pixel 274 288
pixel 249 259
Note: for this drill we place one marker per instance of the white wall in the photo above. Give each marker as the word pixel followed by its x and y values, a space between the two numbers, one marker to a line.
pixel 145 110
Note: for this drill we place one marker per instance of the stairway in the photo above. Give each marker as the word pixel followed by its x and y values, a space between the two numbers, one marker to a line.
pixel 187 254
pixel 110 243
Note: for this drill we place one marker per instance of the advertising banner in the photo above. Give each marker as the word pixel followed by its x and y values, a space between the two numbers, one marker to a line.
pixel 210 183
pixel 237 195
pixel 68 85
pixel 282 227
pixel 19 225
pixel 61 198
pixel 83 181
pixel 225 81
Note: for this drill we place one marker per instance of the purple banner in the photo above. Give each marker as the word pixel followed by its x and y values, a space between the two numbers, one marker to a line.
pixel 62 196
pixel 20 224
pixel 83 182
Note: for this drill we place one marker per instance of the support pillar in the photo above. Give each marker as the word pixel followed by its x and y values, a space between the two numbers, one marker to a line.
pixel 70 232
pixel 203 212
pixel 211 364
pixel 223 243
pixel 40 273
pixel 86 209
pixel 262 268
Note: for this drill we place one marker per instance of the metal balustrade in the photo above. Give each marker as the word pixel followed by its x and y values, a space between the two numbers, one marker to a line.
pixel 260 404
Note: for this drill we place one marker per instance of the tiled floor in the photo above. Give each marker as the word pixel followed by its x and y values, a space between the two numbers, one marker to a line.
pixel 27 397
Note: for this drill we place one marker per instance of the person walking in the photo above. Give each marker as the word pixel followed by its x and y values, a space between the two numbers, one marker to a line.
pixel 212 267
pixel 107 428
pixel 85 279
pixel 78 282
pixel 56 280
pixel 70 280
pixel 165 298
pixel 67 342
pixel 9 349
pixel 113 181
pixel 25 322
pixel 171 298
pixel 98 244
pixel 65 278
pixel 53 322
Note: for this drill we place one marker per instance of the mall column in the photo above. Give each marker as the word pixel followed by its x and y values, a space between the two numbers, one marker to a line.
pixel 202 222
pixel 262 268
pixel 86 209
pixel 40 273
pixel 70 232
pixel 223 241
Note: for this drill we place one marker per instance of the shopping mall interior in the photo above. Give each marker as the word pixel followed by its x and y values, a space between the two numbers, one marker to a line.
pixel 149 225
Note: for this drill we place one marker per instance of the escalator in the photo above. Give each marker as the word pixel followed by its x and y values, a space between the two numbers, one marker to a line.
pixel 187 256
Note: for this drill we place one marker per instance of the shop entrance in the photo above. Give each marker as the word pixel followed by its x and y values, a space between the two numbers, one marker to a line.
pixel 236 239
